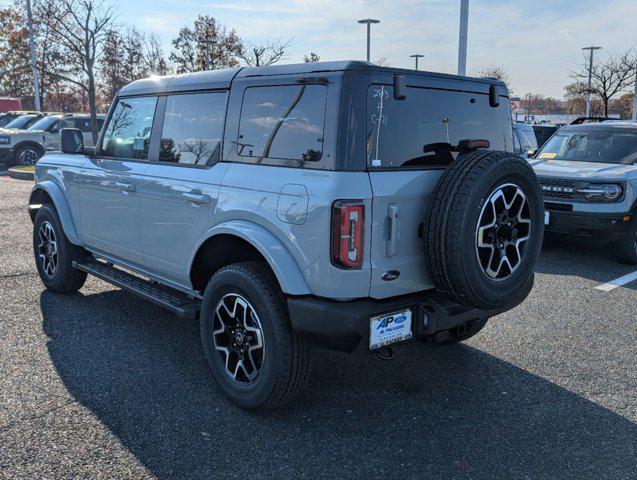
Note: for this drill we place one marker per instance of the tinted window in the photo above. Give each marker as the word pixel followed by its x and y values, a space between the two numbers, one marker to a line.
pixel 23 122
pixel 416 131
pixel 45 123
pixel 283 122
pixel 129 128
pixel 592 146
pixel 193 125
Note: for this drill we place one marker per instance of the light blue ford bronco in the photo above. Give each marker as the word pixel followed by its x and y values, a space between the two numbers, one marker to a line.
pixel 339 204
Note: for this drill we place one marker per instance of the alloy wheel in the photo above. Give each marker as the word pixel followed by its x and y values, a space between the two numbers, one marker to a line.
pixel 238 338
pixel 28 157
pixel 503 231
pixel 48 248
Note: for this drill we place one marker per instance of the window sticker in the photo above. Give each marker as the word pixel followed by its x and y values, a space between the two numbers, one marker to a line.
pixel 548 155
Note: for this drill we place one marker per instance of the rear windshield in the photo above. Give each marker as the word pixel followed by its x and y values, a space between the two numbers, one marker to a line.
pixel 592 146
pixel 414 132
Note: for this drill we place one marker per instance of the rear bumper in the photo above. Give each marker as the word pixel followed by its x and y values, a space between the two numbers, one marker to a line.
pixel 601 226
pixel 344 326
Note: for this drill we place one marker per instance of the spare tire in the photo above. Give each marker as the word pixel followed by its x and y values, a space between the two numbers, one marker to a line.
pixel 484 229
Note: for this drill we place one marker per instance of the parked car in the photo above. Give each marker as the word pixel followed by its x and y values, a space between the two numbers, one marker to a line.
pixel 6 117
pixel 524 138
pixel 588 173
pixel 340 204
pixel 9 103
pixel 543 133
pixel 25 147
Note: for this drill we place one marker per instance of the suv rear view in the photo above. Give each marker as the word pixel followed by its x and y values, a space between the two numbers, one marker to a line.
pixel 336 204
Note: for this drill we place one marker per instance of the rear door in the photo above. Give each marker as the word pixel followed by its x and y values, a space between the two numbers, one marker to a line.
pixel 179 192
pixel 405 163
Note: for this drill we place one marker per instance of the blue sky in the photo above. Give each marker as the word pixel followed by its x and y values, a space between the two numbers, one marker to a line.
pixel 537 41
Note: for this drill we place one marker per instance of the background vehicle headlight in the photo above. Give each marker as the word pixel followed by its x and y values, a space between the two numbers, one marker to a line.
pixel 602 192
pixel 5 140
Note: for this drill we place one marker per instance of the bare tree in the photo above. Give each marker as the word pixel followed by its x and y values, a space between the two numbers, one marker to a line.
pixel 153 54
pixel 80 27
pixel 497 72
pixel 311 58
pixel 206 46
pixel 382 62
pixel 575 101
pixel 608 78
pixel 264 54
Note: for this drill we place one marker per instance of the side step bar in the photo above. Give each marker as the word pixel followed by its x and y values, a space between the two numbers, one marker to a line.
pixel 174 300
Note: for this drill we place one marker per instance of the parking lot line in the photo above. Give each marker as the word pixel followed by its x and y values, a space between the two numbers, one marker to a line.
pixel 618 282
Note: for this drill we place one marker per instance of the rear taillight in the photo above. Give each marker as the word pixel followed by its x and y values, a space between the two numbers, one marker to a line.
pixel 348 218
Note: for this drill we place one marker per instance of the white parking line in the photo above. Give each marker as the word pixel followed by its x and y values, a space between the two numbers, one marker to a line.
pixel 618 282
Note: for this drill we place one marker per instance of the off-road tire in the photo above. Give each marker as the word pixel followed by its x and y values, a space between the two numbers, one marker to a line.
pixel 450 337
pixel 286 362
pixel 452 222
pixel 65 279
pixel 628 246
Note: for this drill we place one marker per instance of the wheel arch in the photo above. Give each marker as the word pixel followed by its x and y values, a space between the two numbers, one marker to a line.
pixel 31 143
pixel 49 193
pixel 237 241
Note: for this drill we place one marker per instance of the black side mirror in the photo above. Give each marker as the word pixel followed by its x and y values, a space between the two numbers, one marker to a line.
pixel 72 140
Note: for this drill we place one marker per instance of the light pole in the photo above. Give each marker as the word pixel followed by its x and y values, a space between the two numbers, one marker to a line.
pixel 634 117
pixel 416 56
pixel 34 65
pixel 369 22
pixel 590 74
pixel 462 41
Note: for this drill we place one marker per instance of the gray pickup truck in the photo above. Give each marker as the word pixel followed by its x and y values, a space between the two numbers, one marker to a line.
pixel 337 204
pixel 588 173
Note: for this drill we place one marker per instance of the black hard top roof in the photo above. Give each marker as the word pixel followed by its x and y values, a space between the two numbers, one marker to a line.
pixel 211 79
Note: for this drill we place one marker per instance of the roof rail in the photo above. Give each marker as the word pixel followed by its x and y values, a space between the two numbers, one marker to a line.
pixel 580 120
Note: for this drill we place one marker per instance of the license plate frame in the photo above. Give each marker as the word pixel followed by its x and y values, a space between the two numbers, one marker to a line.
pixel 390 328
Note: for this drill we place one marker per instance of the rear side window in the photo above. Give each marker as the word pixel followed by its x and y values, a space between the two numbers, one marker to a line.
pixel 284 122
pixel 128 131
pixel 193 125
pixel 414 132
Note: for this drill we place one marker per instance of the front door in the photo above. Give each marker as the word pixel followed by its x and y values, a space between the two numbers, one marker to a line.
pixel 110 182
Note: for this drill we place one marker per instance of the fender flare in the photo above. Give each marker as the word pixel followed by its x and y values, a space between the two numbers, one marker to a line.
pixel 269 246
pixel 61 206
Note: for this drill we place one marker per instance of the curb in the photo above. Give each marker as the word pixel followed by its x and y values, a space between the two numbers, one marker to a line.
pixel 21 174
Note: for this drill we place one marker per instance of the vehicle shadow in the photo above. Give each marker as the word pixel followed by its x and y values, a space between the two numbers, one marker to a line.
pixel 576 257
pixel 433 412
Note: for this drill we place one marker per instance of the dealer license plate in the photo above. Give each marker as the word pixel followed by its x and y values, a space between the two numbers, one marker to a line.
pixel 547 217
pixel 389 328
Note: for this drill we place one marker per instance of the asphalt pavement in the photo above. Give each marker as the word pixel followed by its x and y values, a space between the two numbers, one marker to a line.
pixel 101 384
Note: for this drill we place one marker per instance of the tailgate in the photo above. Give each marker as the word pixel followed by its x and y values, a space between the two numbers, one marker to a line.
pixel 399 206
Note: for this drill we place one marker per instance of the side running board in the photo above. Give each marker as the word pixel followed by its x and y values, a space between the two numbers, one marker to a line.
pixel 173 300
